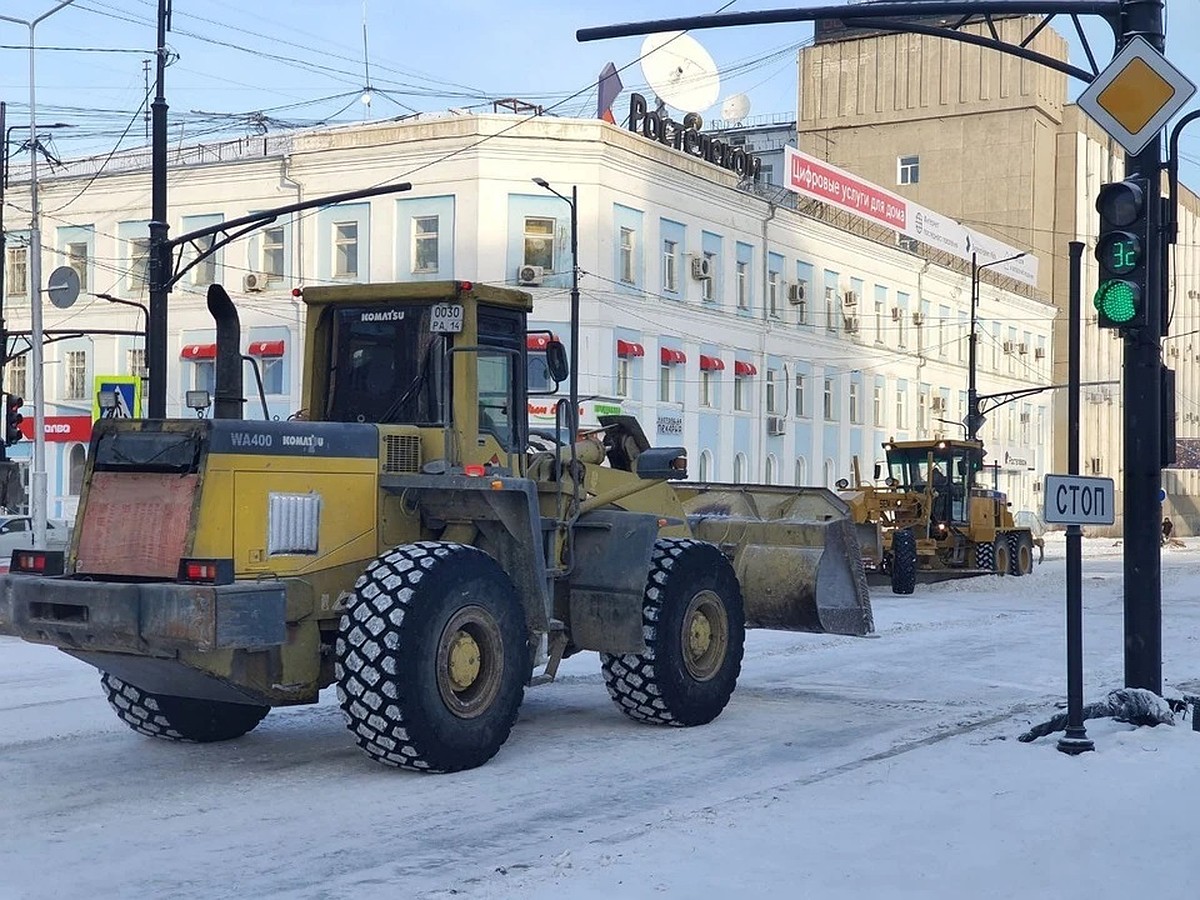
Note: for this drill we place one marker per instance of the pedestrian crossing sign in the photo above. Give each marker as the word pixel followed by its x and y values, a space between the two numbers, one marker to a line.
pixel 117 397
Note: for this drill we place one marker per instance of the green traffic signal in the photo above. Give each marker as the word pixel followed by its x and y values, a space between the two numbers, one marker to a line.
pixel 1118 301
pixel 1119 252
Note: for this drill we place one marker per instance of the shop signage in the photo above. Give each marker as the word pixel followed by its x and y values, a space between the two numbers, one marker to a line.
pixel 690 140
pixel 590 411
pixel 61 429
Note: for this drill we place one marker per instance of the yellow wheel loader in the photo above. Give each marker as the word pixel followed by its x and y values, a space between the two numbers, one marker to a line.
pixel 932 518
pixel 402 541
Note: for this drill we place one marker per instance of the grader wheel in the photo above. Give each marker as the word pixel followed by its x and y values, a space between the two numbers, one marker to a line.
pixel 1020 546
pixel 904 562
pixel 1001 556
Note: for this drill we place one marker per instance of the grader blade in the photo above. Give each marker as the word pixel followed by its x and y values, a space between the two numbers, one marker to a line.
pixel 795 553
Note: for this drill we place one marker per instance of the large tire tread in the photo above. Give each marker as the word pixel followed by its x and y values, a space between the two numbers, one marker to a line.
pixel 179 718
pixel 904 566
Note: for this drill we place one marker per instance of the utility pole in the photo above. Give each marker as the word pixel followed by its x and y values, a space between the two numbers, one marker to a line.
pixel 160 254
pixel 975 418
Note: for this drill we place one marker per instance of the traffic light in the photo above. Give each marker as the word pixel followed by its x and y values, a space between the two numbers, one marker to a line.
pixel 1122 250
pixel 13 419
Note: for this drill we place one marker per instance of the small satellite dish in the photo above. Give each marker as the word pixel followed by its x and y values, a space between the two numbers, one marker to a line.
pixel 735 108
pixel 680 71
pixel 63 287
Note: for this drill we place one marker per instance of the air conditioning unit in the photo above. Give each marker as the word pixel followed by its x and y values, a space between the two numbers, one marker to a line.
pixel 701 268
pixel 850 298
pixel 896 313
pixel 1022 348
pixel 1096 465
pixel 1008 346
pixel 1039 353
pixel 530 275
pixel 1174 351
pixel 776 425
pixel 918 318
pixel 254 282
pixel 851 323
pixel 795 293
pixel 1024 418
pixel 1037 487
pixel 938 404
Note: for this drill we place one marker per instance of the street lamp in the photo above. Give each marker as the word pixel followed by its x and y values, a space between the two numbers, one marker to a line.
pixel 974 419
pixel 573 381
pixel 37 481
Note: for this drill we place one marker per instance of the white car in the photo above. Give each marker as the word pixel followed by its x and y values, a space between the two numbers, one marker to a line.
pixel 16 533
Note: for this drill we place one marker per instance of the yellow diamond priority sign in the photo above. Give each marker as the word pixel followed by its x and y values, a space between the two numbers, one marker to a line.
pixel 1136 95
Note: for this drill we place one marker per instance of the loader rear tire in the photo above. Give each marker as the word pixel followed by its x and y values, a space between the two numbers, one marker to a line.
pixel 694 627
pixel 431 658
pixel 904 562
pixel 179 718
pixel 1020 553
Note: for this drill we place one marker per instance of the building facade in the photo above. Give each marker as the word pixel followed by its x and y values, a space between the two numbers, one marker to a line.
pixel 991 140
pixel 773 345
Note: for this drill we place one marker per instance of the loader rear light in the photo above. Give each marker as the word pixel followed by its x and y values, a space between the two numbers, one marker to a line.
pixel 37 562
pixel 475 471
pixel 206 571
pixel 464 286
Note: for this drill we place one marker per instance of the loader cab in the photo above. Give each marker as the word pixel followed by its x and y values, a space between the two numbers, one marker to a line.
pixel 445 356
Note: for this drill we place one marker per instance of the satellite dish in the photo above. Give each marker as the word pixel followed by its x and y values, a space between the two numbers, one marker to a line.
pixel 680 71
pixel 735 108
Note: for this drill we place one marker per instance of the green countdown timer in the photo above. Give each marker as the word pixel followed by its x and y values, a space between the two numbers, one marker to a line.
pixel 1118 300
pixel 1119 252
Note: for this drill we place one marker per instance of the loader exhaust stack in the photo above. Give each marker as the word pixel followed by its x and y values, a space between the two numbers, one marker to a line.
pixel 228 399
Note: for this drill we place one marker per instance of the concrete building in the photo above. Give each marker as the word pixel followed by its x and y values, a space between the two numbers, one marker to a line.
pixel 773 344
pixel 991 140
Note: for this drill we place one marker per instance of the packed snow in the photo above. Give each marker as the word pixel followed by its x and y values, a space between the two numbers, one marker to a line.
pixel 843 768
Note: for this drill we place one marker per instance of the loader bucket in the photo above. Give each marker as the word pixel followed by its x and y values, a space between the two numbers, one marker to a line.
pixel 794 550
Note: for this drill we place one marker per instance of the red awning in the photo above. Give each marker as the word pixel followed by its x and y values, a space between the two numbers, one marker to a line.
pixel 712 363
pixel 198 351
pixel 538 341
pixel 266 348
pixel 744 368
pixel 630 350
pixel 672 357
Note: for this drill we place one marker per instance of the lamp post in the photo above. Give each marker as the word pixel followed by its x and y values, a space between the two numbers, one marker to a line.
pixel 974 420
pixel 37 481
pixel 573 381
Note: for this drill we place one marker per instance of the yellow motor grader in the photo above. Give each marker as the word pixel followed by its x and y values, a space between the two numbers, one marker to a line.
pixel 404 541
pixel 932 518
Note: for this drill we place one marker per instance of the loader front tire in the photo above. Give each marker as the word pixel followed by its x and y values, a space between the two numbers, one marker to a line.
pixel 694 628
pixel 904 562
pixel 179 718
pixel 431 658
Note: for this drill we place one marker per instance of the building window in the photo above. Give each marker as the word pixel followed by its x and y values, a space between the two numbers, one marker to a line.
pixel 135 361
pixel 272 254
pixel 772 474
pixel 622 377
pixel 627 247
pixel 17 277
pixel 941 335
pixel 772 392
pixel 830 309
pixel 76 387
pixel 901 409
pixel 743 295
pixel 539 243
pixel 800 411
pixel 204 375
pixel 739 468
pixel 922 413
pixel 75 470
pixel 664 383
pixel 345 250
pixel 139 264
pixel 707 283
pixel 879 321
pixel 855 413
pixel 877 407
pixel 773 294
pixel 903 333
pixel 801 471
pixel 77 259
pixel 15 375
pixel 205 271
pixel 828 405
pixel 272 374
pixel 908 170
pixel 829 470
pixel 705 465
pixel 670 266
pixel 741 393
pixel 425 244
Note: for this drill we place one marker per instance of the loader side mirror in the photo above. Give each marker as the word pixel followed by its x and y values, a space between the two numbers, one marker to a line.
pixel 878 471
pixel 556 361
pixel 841 484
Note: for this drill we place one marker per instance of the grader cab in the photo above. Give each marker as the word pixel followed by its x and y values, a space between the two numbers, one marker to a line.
pixel 934 518
pixel 401 539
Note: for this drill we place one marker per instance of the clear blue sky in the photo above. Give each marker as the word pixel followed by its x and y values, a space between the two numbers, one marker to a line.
pixel 301 61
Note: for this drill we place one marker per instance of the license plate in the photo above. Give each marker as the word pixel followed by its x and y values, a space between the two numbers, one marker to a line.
pixel 447 318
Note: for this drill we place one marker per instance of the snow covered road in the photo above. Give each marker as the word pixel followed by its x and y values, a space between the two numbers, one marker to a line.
pixel 812 758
